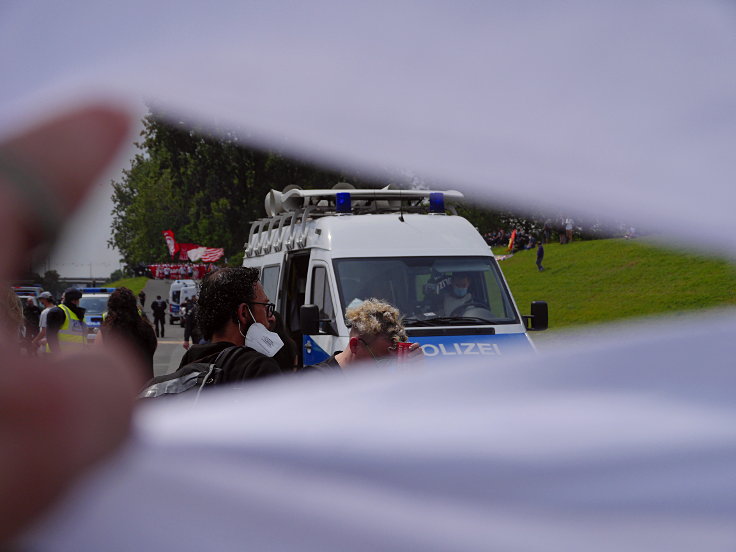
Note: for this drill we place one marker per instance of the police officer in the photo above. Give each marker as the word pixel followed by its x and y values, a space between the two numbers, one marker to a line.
pixel 65 327
pixel 456 295
pixel 159 315
pixel 191 328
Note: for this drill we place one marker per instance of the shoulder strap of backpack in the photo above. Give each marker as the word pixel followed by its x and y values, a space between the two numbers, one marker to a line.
pixel 227 356
pixel 221 362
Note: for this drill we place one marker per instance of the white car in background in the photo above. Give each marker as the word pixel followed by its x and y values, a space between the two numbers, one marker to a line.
pixel 179 292
pixel 28 292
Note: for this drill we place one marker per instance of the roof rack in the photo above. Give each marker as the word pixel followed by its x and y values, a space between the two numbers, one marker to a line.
pixel 289 211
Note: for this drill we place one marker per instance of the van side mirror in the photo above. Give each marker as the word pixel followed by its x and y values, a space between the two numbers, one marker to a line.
pixel 539 318
pixel 309 319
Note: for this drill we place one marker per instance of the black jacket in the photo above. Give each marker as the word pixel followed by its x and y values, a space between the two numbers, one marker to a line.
pixel 141 338
pixel 32 314
pixel 191 328
pixel 159 308
pixel 250 365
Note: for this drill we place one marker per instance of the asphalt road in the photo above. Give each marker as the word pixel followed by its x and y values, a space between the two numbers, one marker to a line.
pixel 169 350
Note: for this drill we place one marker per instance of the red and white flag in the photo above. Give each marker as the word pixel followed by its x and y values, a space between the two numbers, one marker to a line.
pixel 191 251
pixel 205 254
pixel 184 249
pixel 170 242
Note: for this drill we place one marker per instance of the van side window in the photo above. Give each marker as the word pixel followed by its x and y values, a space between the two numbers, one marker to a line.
pixel 322 297
pixel 270 281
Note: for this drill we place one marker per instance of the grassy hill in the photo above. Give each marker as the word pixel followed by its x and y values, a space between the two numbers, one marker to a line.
pixel 603 280
pixel 133 284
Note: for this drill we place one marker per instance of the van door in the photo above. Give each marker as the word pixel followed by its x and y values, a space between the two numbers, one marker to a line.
pixel 293 294
pixel 174 301
pixel 323 345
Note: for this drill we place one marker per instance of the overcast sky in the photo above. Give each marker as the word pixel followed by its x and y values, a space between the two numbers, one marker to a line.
pixel 82 249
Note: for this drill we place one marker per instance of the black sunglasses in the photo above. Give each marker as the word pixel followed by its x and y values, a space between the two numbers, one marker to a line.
pixel 269 307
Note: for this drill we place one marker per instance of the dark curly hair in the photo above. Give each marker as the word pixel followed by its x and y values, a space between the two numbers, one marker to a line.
pixel 220 294
pixel 122 309
pixel 123 323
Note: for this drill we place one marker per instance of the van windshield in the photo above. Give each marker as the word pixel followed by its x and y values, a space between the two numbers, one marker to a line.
pixel 94 304
pixel 429 290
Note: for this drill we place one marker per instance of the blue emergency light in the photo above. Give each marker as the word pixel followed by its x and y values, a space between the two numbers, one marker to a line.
pixel 437 203
pixel 342 203
pixel 97 290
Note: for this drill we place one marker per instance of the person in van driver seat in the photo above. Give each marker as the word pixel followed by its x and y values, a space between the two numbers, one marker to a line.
pixel 375 328
pixel 456 295
pixel 234 310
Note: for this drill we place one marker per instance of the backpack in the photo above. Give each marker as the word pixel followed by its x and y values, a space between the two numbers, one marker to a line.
pixel 194 376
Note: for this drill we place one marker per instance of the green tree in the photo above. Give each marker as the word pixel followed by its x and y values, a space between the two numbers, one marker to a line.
pixel 206 187
pixel 51 283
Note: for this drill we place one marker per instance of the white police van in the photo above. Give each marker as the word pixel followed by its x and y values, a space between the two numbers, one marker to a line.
pixel 322 251
pixel 179 292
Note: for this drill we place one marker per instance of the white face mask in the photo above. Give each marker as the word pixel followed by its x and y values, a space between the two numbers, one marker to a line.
pixel 260 339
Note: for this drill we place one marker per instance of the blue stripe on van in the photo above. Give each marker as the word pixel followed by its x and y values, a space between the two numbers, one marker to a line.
pixel 473 345
pixel 313 353
pixel 445 347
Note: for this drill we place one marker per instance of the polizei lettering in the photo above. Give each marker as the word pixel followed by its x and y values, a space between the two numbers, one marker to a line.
pixel 452 349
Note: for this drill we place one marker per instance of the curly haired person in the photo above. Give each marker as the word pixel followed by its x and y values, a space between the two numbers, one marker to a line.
pixel 123 323
pixel 375 328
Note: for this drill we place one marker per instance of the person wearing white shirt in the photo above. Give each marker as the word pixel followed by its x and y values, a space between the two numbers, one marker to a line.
pixel 47 300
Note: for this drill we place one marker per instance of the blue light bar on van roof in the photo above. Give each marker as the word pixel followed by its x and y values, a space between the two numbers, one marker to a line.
pixel 342 203
pixel 437 203
pixel 97 290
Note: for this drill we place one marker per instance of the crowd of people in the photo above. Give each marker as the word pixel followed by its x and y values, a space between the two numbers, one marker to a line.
pixel 232 309
pixel 188 271
pixel 61 328
pixel 517 239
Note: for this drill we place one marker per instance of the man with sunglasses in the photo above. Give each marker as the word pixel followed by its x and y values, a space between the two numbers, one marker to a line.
pixel 234 310
pixel 375 329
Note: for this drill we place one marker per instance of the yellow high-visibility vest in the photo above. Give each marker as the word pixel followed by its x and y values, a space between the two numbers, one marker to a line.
pixel 73 332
